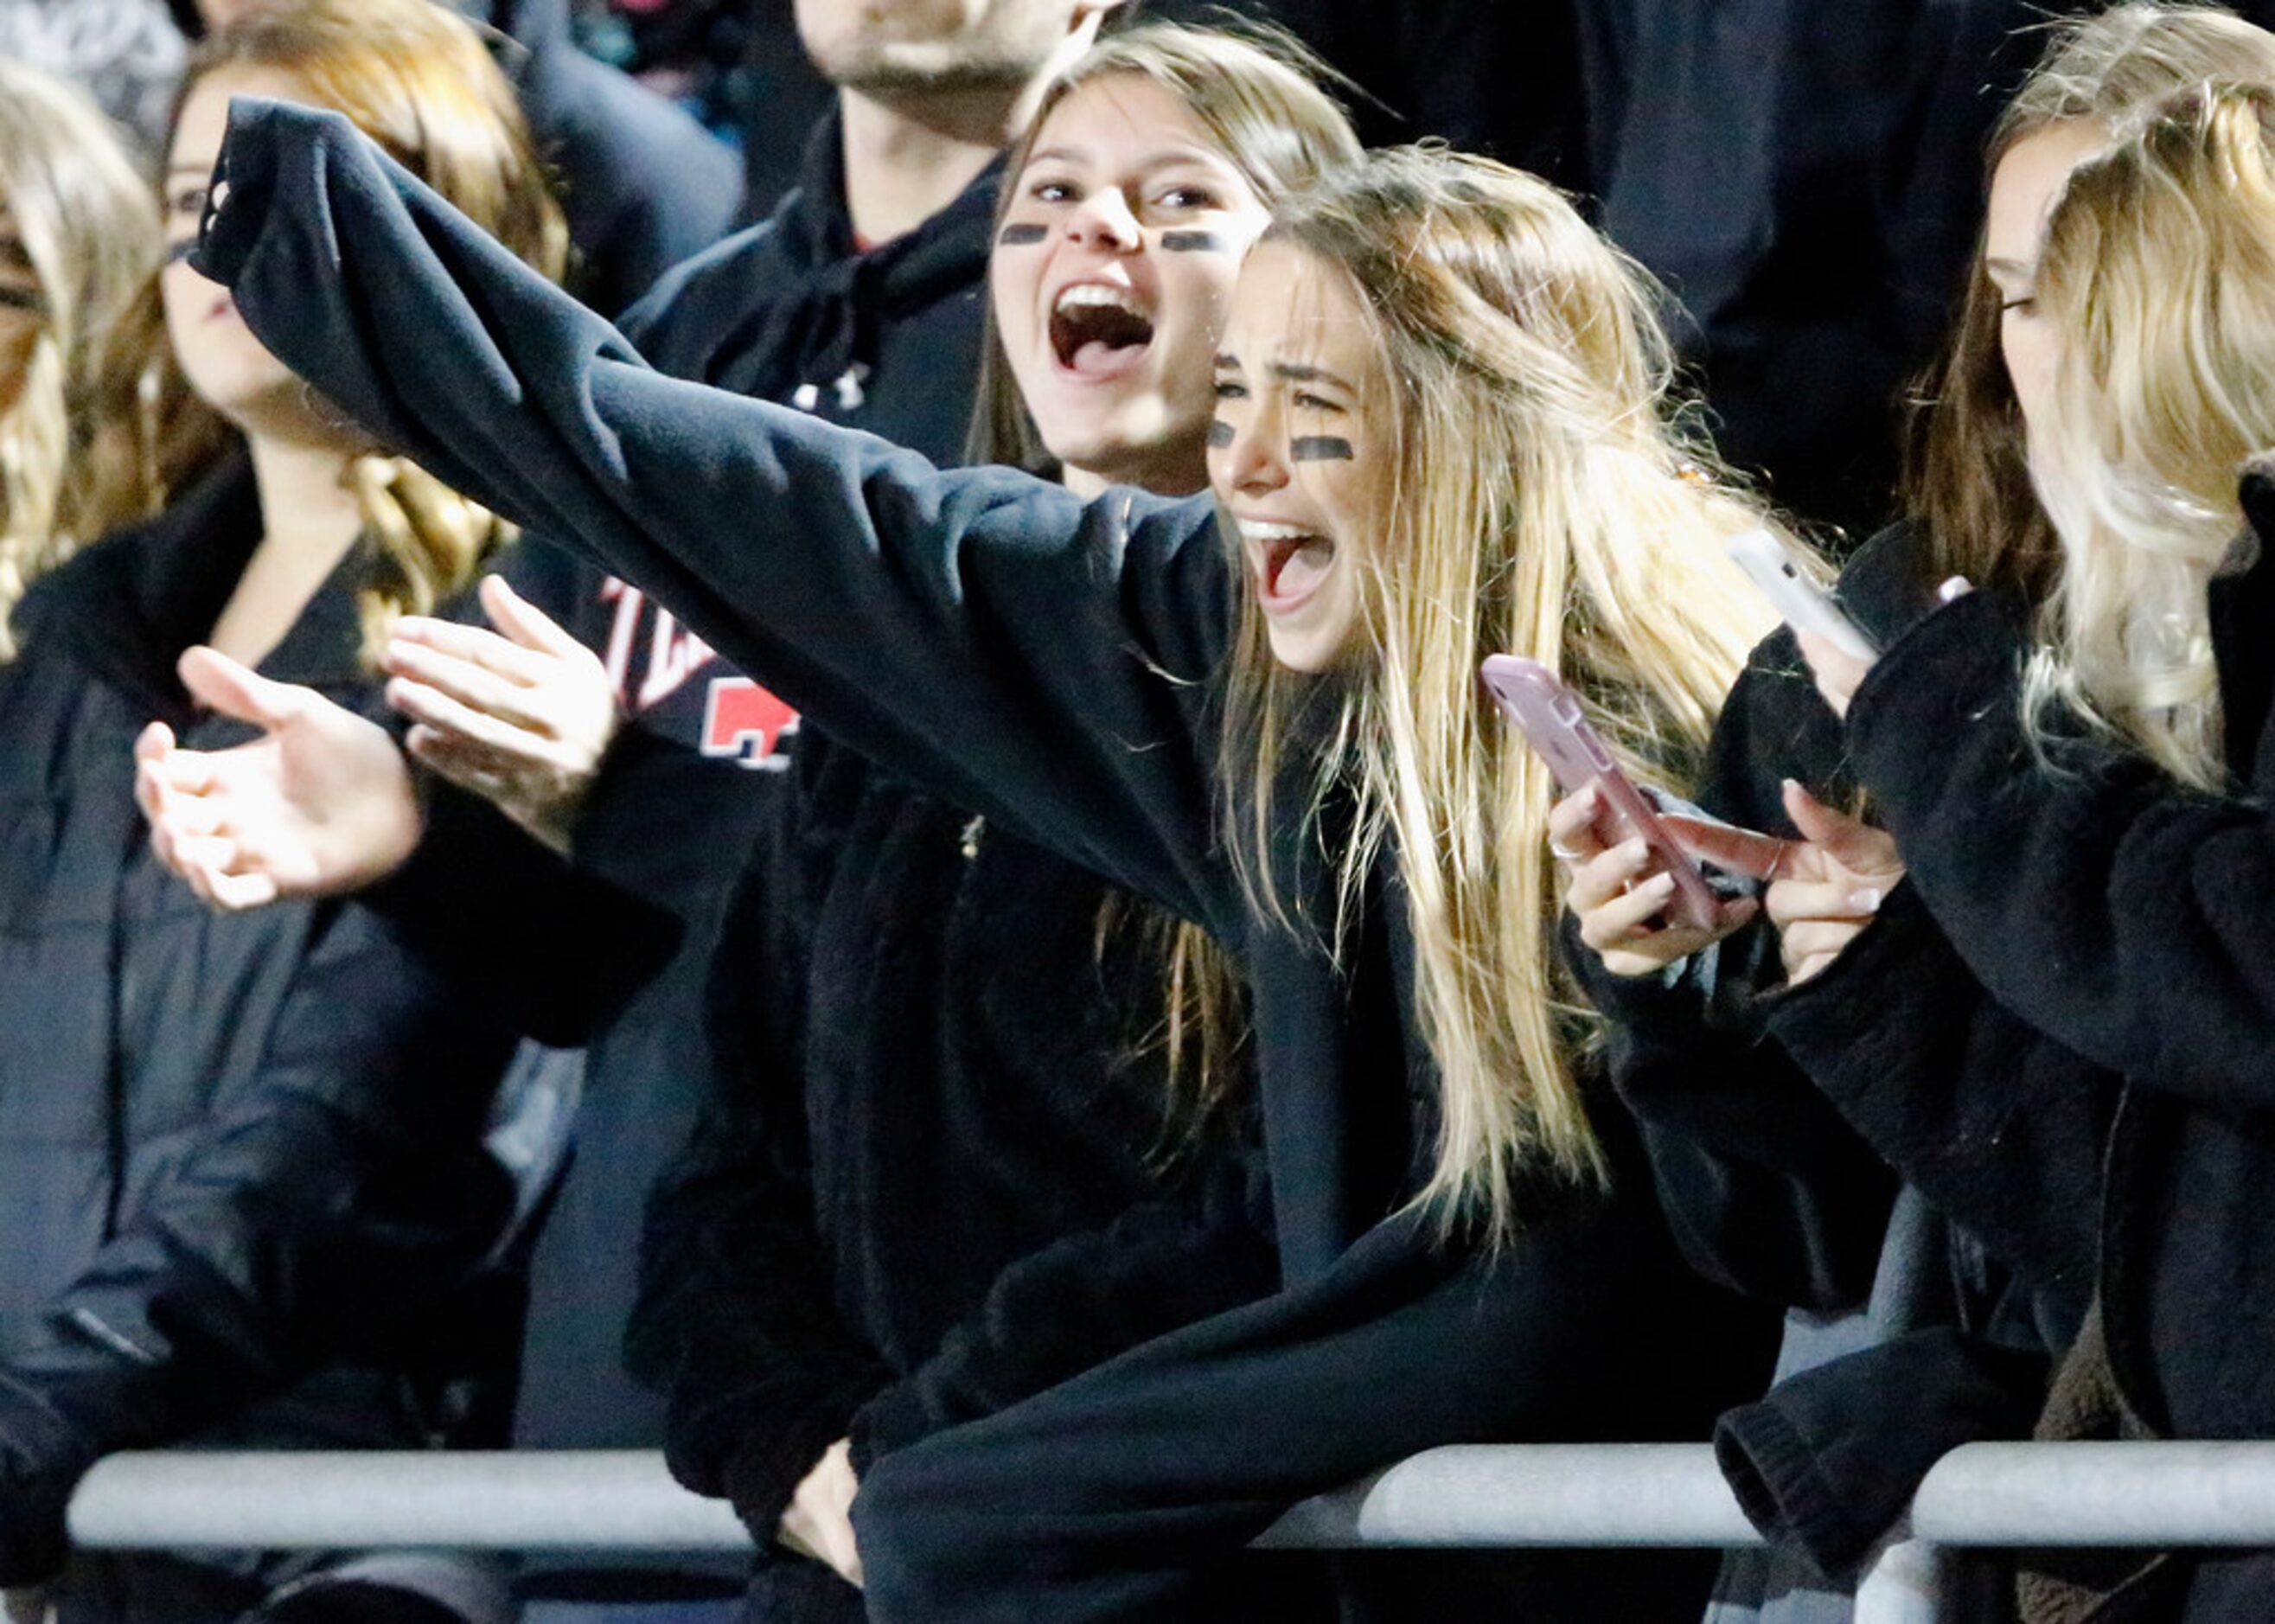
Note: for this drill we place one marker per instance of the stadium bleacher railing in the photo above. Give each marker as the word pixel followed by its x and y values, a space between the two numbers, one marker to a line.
pixel 1664 1495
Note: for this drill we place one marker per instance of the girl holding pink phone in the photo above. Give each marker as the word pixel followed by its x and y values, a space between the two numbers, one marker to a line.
pixel 1991 990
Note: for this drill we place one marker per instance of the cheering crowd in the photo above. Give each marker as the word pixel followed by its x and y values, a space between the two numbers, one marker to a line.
pixel 869 849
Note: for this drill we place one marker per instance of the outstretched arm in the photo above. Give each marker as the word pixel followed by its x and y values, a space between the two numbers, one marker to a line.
pixel 1007 644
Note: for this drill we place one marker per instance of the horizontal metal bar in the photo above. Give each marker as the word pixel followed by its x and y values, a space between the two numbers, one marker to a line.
pixel 2099 1494
pixel 1529 1495
pixel 1622 1494
pixel 523 1500
pixel 1480 1495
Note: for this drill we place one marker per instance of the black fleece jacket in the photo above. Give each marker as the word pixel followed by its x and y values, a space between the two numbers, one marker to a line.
pixel 234 1150
pixel 2124 917
pixel 1778 1119
pixel 1020 649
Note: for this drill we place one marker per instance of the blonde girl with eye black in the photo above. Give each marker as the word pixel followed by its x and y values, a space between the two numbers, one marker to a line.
pixel 1440 431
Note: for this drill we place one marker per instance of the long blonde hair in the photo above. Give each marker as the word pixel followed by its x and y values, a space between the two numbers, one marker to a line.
pixel 1966 482
pixel 416 78
pixel 101 425
pixel 2159 273
pixel 1546 502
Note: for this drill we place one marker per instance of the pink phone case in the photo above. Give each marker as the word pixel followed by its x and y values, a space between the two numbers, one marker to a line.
pixel 1549 713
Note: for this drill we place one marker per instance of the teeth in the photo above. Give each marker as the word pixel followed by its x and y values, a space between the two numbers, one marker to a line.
pixel 1098 293
pixel 1260 530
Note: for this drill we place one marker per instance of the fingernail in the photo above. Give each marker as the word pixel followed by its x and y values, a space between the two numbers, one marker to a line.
pixel 1659 884
pixel 1866 901
pixel 1957 586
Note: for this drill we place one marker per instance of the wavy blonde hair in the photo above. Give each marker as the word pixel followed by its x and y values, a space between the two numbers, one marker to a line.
pixel 1967 481
pixel 2158 272
pixel 1545 501
pixel 101 425
pixel 416 78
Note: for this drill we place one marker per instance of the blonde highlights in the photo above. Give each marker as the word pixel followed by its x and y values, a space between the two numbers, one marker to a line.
pixel 101 425
pixel 1548 502
pixel 416 78
pixel 1966 482
pixel 2159 273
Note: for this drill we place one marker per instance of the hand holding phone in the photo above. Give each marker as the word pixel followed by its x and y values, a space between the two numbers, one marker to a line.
pixel 1782 578
pixel 1551 717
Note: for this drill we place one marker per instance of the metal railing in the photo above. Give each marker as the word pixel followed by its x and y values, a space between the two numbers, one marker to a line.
pixel 2003 1495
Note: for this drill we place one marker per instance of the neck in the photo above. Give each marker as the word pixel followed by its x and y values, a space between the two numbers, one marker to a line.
pixel 910 156
pixel 307 509
pixel 308 521
pixel 903 163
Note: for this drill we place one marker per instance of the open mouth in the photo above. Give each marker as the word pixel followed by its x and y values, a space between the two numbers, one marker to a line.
pixel 1291 561
pixel 1099 331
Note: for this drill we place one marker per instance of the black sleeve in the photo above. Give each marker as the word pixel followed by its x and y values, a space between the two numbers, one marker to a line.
pixel 1769 1192
pixel 344 1188
pixel 1078 1303
pixel 554 948
pixel 1001 642
pixel 737 1322
pixel 1120 1484
pixel 2000 1127
pixel 2121 914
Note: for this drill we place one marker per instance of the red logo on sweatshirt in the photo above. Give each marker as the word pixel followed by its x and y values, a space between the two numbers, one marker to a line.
pixel 742 719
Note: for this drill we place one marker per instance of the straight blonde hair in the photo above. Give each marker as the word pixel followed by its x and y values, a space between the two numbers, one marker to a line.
pixel 1548 502
pixel 414 77
pixel 2159 273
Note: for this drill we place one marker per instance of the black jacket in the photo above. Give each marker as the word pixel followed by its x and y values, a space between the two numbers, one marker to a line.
pixel 234 1149
pixel 1018 649
pixel 2122 916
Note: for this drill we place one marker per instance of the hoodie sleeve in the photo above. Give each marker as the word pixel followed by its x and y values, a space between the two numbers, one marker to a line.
pixel 1010 647
pixel 2120 913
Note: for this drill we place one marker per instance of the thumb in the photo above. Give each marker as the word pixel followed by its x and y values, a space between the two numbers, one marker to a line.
pixel 523 621
pixel 1844 839
pixel 222 684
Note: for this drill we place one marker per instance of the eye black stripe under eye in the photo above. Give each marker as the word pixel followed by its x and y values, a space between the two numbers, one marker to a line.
pixel 1021 234
pixel 1192 242
pixel 25 300
pixel 1320 449
pixel 1219 433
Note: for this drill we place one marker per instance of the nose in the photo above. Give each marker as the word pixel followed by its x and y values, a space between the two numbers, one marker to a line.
pixel 1103 220
pixel 1256 461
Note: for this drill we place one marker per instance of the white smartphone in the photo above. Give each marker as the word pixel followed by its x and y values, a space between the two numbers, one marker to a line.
pixel 1804 605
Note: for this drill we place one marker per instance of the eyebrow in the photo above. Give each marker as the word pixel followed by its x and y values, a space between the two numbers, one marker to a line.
pixel 1289 371
pixel 1153 161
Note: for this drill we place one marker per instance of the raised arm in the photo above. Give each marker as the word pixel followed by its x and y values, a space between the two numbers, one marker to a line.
pixel 994 636
pixel 2116 910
